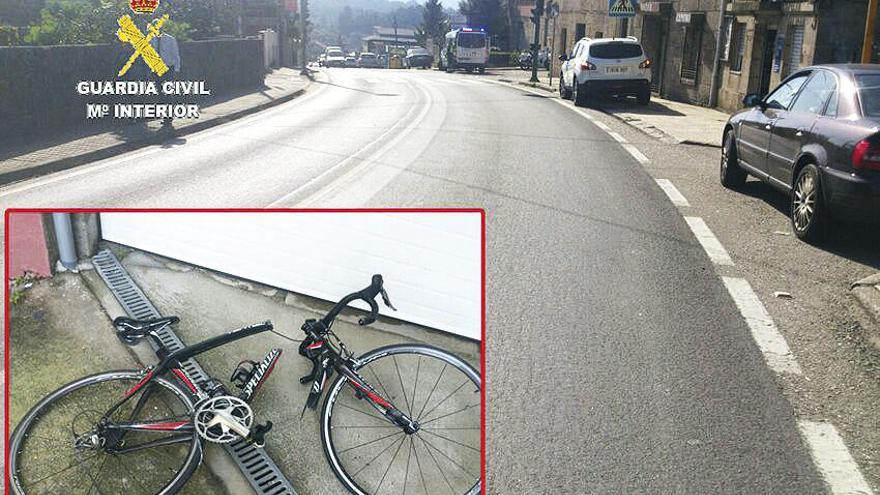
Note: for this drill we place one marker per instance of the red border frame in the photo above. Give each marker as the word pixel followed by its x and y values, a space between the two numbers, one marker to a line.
pixel 11 211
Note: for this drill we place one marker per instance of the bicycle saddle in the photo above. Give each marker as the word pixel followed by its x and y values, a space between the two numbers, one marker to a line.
pixel 131 328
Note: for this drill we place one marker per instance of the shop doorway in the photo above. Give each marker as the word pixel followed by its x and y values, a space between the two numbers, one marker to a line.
pixel 653 40
pixel 767 61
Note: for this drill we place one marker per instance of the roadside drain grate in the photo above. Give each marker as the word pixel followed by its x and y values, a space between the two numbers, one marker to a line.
pixel 256 465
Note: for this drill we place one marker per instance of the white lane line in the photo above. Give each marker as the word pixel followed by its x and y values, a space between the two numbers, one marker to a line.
pixel 338 184
pixel 833 459
pixel 710 243
pixel 617 137
pixel 776 352
pixel 601 125
pixel 674 194
pixel 638 155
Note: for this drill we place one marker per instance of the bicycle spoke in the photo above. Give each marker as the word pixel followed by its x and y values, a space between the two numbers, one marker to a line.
pixel 379 488
pixel 453 428
pixel 419 464
pixel 477 450
pixel 95 478
pixel 387 395
pixel 442 473
pixel 63 470
pixel 450 458
pixel 416 382
pixel 408 459
pixel 374 416
pixel 447 397
pixel 131 472
pixel 376 456
pixel 402 388
pixel 371 441
pixel 419 416
pixel 465 408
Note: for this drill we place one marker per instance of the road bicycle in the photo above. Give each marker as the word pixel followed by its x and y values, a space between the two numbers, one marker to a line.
pixel 398 419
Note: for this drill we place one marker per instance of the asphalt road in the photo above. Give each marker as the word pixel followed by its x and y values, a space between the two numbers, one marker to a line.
pixel 617 361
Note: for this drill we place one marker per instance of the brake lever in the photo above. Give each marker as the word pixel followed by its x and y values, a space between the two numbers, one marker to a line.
pixel 386 300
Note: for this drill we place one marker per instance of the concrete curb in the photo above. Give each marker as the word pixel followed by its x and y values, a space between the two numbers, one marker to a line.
pixel 69 162
pixel 867 293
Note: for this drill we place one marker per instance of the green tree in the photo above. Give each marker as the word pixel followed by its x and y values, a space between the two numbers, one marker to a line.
pixel 434 22
pixel 491 14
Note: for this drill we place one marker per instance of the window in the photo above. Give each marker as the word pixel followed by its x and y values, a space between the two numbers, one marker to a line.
pixel 726 36
pixel 738 46
pixel 472 40
pixel 816 91
pixel 795 48
pixel 690 57
pixel 580 30
pixel 869 94
pixel 615 50
pixel 781 97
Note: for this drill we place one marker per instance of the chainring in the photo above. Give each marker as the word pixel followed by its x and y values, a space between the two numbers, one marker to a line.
pixel 223 419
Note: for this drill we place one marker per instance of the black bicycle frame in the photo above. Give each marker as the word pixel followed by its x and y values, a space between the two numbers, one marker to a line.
pixel 171 363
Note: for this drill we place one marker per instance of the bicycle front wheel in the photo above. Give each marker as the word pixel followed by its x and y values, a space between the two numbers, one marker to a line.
pixel 440 391
pixel 47 455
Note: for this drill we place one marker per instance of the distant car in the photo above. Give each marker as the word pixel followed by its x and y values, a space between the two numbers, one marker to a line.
pixel 419 57
pixel 605 66
pixel 321 59
pixel 815 137
pixel 351 61
pixel 335 58
pixel 368 60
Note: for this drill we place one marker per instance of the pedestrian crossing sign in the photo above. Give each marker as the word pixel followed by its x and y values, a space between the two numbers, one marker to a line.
pixel 621 8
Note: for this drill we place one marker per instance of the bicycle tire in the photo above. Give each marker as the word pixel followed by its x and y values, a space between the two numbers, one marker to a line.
pixel 327 413
pixel 44 407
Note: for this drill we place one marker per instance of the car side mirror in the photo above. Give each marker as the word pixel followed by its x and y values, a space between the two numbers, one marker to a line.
pixel 563 57
pixel 752 100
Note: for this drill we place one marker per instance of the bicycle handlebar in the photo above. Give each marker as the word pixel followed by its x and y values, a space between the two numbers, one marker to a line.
pixel 367 295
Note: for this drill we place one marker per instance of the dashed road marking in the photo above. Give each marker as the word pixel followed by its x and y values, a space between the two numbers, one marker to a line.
pixel 833 459
pixel 638 155
pixel 617 137
pixel 672 192
pixel 710 243
pixel 773 346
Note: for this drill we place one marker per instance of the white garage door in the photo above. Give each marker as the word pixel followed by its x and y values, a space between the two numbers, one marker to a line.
pixel 430 261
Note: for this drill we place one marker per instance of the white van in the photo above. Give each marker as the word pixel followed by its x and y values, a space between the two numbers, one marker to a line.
pixel 465 48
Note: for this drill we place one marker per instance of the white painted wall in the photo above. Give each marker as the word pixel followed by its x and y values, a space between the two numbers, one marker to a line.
pixel 430 261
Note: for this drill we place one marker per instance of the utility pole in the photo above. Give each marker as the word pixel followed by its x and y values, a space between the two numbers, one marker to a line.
pixel 304 35
pixel 552 13
pixel 282 35
pixel 868 45
pixel 537 12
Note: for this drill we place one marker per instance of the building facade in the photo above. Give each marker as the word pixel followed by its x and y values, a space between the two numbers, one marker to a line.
pixel 761 42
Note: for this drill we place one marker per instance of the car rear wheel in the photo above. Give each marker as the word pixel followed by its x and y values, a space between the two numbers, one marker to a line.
pixel 732 175
pixel 809 218
pixel 580 94
pixel 644 97
pixel 564 93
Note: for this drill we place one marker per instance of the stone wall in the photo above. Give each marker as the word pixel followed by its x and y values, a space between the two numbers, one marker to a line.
pixel 38 83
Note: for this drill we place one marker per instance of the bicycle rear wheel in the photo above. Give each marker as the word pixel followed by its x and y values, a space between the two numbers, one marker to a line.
pixel 44 458
pixel 370 455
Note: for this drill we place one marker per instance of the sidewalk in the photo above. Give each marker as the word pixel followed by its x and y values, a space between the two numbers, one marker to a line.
pixel 67 151
pixel 671 121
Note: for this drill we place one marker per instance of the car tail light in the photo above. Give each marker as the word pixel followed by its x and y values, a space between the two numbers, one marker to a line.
pixel 866 156
pixel 588 66
pixel 646 64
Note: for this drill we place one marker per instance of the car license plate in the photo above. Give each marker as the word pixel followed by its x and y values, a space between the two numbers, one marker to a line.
pixel 616 70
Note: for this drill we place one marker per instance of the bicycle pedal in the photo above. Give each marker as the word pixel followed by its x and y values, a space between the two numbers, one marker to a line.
pixel 258 434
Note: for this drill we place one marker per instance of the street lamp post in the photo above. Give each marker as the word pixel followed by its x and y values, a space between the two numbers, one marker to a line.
pixel 304 35
pixel 537 12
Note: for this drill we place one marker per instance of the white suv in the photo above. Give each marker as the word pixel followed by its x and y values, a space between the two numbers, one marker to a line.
pixel 614 66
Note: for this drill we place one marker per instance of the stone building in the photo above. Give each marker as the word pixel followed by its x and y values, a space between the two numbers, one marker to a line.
pixel 762 42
